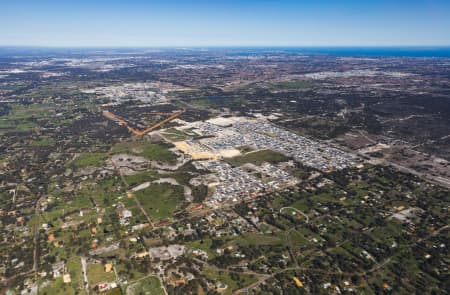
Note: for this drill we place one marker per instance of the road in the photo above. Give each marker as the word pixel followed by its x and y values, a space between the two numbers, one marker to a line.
pixel 84 271
pixel 138 203
pixel 36 241
pixel 376 267
pixel 441 181
pixel 289 245
pixel 433 179
pixel 136 132
pixel 298 211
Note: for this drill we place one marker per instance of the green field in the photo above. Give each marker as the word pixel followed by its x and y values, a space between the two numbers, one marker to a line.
pixel 257 158
pixel 44 141
pixel 204 245
pixel 20 112
pixel 233 282
pixel 74 267
pixel 150 286
pixel 89 159
pixel 96 274
pixel 152 151
pixel 161 200
pixel 201 102
pixel 299 84
pixel 15 125
pixel 139 178
pixel 115 291
pixel 24 117
pixel 57 287
pixel 177 135
pixel 256 239
pixel 67 207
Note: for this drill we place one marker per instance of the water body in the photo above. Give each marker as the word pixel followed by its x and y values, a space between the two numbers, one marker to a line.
pixel 391 51
pixel 363 51
pixel 378 51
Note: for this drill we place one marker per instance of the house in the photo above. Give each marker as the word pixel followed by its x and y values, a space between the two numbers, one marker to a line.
pixel 105 286
pixel 66 278
pixel 58 269
pixel 108 267
pixel 298 282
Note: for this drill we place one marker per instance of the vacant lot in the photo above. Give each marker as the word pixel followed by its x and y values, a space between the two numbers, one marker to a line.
pixel 89 159
pixel 298 84
pixel 233 282
pixel 257 158
pixel 24 118
pixel 96 274
pixel 150 285
pixel 161 200
pixel 152 151
pixel 57 287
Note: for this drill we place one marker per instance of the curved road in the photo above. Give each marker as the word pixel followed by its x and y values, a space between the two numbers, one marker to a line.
pixel 298 211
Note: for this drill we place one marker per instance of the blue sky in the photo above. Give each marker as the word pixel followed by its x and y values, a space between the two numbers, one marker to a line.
pixel 224 23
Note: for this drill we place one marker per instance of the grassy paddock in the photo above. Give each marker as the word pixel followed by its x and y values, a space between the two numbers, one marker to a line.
pixel 89 159
pixel 258 157
pixel 150 285
pixel 161 200
pixel 96 274
pixel 146 149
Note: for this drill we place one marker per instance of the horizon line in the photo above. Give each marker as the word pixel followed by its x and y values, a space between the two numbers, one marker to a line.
pixel 226 46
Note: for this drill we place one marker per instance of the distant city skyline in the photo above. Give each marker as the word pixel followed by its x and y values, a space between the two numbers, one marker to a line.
pixel 138 23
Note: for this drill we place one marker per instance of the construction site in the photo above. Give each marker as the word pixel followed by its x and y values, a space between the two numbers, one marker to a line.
pixel 161 119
